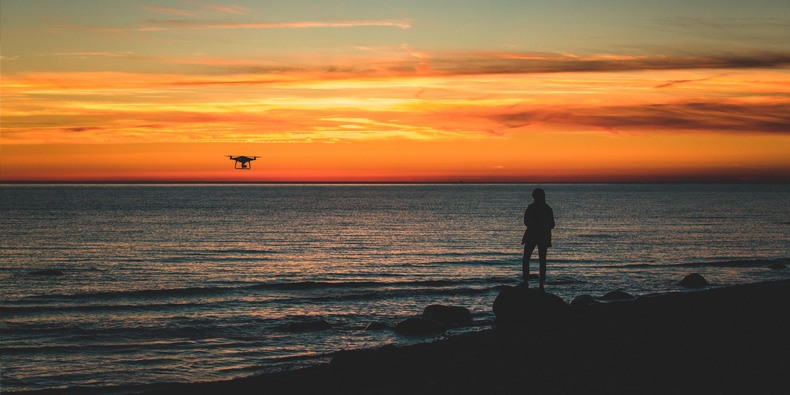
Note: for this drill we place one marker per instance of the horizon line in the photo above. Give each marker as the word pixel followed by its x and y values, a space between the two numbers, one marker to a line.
pixel 196 182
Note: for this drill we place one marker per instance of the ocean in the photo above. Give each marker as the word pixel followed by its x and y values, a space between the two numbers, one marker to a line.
pixel 129 285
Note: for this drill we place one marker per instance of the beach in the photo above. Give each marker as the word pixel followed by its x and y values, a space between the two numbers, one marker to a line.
pixel 722 340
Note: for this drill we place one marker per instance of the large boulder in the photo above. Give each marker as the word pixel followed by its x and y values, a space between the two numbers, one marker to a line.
pixel 617 295
pixel 448 315
pixel 693 280
pixel 583 300
pixel 418 325
pixel 520 305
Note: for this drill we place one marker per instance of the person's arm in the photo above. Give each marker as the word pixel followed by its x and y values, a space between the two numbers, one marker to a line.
pixel 551 218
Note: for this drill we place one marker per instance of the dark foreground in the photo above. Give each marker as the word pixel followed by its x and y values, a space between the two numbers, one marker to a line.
pixel 727 340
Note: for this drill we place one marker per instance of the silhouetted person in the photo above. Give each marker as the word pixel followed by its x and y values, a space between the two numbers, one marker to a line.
pixel 539 219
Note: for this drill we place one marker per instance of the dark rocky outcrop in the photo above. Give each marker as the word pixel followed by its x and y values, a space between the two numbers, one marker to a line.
pixel 376 326
pixel 617 295
pixel 583 300
pixel 448 315
pixel 419 325
pixel 313 325
pixel 777 266
pixel 47 272
pixel 693 280
pixel 520 305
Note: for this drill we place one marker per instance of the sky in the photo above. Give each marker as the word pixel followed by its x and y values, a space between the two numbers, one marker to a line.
pixel 395 91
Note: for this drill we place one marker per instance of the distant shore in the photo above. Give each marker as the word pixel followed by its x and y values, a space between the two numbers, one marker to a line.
pixel 724 340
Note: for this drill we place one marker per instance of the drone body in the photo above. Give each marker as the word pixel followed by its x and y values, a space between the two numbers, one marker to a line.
pixel 242 162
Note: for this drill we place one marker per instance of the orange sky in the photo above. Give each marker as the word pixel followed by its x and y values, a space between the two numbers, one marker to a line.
pixel 158 101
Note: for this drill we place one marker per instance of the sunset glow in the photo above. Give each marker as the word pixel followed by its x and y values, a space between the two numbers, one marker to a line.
pixel 137 91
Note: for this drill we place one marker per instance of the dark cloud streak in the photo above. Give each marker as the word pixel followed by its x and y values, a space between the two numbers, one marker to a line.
pixel 550 63
pixel 697 116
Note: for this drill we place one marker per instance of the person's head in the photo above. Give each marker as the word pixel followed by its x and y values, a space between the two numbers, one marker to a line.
pixel 539 195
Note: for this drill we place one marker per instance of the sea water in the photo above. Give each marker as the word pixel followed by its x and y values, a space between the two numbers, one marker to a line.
pixel 175 283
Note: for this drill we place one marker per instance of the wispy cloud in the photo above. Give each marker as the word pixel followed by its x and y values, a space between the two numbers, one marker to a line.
pixel 676 117
pixel 673 83
pixel 175 24
pixel 169 10
pixel 229 9
pixel 518 63
pixel 200 9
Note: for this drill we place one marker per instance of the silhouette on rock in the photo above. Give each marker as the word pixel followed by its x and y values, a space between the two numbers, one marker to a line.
pixel 448 315
pixel 617 295
pixel 583 300
pixel 522 305
pixel 693 280
pixel 418 325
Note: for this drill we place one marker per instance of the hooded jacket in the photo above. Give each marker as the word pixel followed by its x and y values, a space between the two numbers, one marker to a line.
pixel 539 219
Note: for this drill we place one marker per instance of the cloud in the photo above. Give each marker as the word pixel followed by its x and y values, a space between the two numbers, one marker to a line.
pixel 169 11
pixel 175 24
pixel 422 63
pixel 521 63
pixel 673 83
pixel 228 9
pixel 692 116
pixel 207 8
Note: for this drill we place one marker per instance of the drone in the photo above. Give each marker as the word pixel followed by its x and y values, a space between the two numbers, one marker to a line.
pixel 242 162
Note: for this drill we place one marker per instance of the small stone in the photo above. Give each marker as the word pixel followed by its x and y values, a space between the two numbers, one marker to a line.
pixel 693 280
pixel 448 314
pixel 617 295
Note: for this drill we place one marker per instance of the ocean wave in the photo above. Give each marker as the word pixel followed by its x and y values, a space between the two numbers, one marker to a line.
pixel 732 263
pixel 394 294
pixel 740 263
pixel 141 293
pixel 277 286
pixel 599 236
pixel 14 310
pixel 47 349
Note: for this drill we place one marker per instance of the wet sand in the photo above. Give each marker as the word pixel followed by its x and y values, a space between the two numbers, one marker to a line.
pixel 724 340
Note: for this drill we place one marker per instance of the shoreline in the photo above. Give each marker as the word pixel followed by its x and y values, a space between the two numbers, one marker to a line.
pixel 721 340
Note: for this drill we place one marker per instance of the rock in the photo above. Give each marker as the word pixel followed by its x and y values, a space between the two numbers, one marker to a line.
pixel 418 325
pixel 314 325
pixel 617 295
pixel 520 305
pixel 376 326
pixel 448 315
pixel 693 280
pixel 777 266
pixel 583 300
pixel 47 272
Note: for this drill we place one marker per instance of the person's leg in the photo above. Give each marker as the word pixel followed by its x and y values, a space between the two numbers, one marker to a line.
pixel 528 248
pixel 542 250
